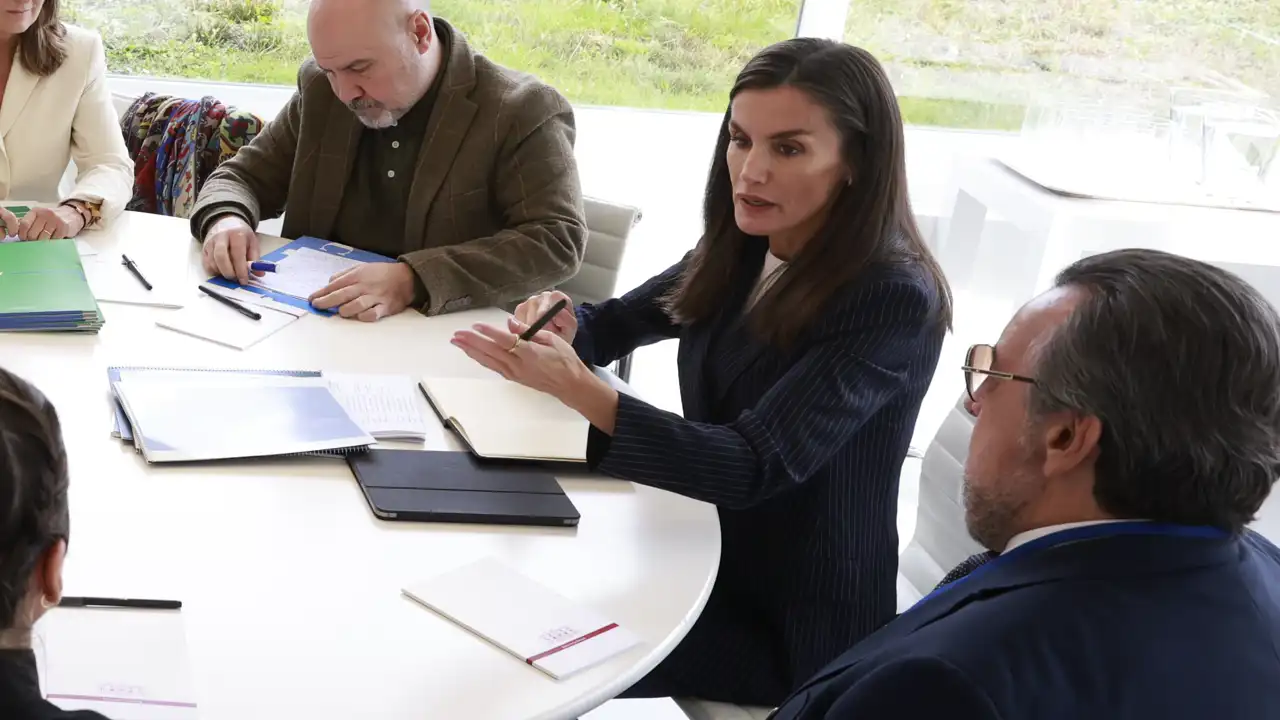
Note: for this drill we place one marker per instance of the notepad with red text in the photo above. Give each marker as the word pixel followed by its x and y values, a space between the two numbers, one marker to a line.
pixel 524 617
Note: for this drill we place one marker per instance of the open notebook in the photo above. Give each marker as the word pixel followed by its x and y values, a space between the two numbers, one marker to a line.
pixel 499 419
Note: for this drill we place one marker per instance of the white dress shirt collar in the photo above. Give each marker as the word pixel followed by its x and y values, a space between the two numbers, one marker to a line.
pixel 1023 538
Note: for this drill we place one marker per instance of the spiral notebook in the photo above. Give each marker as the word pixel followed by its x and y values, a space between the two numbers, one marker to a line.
pixel 228 416
pixel 124 430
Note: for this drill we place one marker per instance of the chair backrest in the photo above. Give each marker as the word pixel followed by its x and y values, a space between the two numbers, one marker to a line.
pixel 608 227
pixel 121 102
pixel 941 541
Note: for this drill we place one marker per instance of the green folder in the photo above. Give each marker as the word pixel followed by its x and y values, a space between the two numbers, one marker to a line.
pixel 43 288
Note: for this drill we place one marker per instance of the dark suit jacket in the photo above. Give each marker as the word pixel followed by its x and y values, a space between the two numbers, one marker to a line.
pixel 20 697
pixel 1134 627
pixel 800 450
pixel 495 211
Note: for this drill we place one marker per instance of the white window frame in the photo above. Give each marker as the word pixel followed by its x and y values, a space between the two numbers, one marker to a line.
pixel 823 18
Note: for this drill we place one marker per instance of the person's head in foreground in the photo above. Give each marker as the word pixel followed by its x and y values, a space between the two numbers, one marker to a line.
pixel 811 156
pixel 1143 385
pixel 380 56
pixel 34 521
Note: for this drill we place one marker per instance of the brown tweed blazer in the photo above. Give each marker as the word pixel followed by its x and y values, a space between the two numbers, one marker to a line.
pixel 495 210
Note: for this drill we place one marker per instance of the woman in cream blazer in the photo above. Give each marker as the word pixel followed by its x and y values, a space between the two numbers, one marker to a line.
pixel 54 109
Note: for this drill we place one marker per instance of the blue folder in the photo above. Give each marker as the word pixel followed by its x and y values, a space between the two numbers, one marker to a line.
pixel 324 246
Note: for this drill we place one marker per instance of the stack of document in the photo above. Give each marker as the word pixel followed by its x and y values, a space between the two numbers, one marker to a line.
pixel 223 416
pixel 43 288
pixel 384 407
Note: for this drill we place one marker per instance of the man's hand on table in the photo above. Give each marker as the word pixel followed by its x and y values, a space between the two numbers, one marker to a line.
pixel 368 292
pixel 229 247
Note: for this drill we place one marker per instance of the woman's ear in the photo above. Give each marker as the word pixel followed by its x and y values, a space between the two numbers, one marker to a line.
pixel 50 573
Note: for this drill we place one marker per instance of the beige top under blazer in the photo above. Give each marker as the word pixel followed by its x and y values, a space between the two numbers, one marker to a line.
pixel 47 122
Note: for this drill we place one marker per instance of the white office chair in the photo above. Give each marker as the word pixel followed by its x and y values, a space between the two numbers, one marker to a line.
pixel 608 227
pixel 941 541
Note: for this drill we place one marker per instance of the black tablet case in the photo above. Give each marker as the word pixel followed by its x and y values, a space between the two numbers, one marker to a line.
pixel 454 487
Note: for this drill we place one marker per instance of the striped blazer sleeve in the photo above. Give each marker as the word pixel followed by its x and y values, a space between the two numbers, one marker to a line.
pixel 614 328
pixel 857 363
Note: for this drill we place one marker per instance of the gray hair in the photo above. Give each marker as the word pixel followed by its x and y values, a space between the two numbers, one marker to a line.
pixel 1180 361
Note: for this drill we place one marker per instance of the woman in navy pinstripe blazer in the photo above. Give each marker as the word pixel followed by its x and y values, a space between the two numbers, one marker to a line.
pixel 810 319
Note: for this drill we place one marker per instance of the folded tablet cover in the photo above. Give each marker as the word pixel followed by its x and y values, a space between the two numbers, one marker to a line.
pixel 454 487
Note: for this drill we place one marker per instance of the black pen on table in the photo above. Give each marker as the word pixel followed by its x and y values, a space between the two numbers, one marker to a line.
pixel 231 303
pixel 124 260
pixel 541 322
pixel 134 603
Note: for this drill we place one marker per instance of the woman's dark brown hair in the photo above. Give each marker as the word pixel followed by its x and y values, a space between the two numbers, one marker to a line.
pixel 43 48
pixel 33 488
pixel 870 220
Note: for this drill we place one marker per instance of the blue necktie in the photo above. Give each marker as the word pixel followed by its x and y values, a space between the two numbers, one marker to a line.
pixel 971 563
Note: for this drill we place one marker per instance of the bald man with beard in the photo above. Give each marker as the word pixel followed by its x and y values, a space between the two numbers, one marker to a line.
pixel 402 140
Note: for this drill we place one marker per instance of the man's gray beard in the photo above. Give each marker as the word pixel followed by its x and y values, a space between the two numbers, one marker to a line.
pixel 375 126
pixel 990 517
pixel 382 110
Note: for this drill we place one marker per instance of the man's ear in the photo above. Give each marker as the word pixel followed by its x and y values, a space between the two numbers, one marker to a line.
pixel 424 32
pixel 1070 440
pixel 50 568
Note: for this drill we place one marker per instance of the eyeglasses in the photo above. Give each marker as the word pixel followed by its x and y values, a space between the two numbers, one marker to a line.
pixel 977 367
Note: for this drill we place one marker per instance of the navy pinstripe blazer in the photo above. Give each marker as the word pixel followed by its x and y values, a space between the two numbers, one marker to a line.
pixel 800 450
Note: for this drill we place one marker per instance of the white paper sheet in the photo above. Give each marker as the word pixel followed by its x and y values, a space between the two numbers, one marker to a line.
pixel 82 247
pixel 524 617
pixel 246 297
pixel 388 407
pixel 125 664
pixel 208 319
pixel 112 282
pixel 304 272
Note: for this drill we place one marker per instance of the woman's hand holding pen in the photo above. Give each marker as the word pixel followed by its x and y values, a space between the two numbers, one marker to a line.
pixel 565 322
pixel 545 362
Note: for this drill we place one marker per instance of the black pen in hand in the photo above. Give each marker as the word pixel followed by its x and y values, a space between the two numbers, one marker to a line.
pixel 231 303
pixel 541 322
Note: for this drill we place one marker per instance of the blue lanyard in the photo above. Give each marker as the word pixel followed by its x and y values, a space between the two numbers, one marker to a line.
pixel 1089 532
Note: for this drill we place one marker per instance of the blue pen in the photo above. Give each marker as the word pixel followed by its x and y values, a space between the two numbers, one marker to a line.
pixel 262 266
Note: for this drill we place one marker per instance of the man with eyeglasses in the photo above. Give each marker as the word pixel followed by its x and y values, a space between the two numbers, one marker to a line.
pixel 1127 428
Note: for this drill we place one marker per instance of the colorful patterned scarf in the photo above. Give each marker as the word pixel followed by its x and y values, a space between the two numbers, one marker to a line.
pixel 175 144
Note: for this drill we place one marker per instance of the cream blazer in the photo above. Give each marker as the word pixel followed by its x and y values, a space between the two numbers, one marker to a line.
pixel 47 122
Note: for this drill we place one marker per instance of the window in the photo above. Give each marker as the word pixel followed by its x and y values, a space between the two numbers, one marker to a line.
pixel 979 63
pixel 674 54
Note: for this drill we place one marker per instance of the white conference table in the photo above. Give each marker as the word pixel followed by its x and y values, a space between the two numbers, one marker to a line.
pixel 291 588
